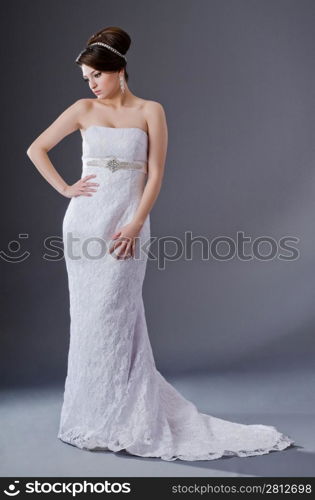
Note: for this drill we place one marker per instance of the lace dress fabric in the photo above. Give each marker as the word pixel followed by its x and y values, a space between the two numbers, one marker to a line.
pixel 114 396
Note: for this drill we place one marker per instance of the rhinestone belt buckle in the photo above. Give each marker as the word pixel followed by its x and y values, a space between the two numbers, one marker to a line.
pixel 113 164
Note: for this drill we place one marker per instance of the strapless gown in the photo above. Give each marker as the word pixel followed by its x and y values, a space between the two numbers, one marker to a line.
pixel 114 396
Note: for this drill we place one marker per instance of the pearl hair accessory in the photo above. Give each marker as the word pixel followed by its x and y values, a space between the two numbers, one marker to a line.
pixel 108 47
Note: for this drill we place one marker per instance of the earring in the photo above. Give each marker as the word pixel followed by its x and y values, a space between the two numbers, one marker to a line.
pixel 122 85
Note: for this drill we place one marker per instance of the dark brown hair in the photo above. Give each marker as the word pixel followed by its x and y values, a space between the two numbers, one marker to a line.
pixel 104 59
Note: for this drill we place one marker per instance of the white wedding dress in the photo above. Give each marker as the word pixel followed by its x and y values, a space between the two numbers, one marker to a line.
pixel 115 398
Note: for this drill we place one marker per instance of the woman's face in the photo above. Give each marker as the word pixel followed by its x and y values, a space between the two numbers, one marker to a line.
pixel 102 83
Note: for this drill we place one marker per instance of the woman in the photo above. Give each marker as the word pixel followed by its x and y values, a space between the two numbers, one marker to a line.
pixel 115 398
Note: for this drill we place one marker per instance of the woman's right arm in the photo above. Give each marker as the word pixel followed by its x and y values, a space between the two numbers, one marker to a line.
pixel 67 123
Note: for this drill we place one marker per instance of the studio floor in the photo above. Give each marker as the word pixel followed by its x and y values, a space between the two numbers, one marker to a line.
pixel 30 417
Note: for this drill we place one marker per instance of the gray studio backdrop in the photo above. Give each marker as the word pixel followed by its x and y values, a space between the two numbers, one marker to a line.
pixel 236 79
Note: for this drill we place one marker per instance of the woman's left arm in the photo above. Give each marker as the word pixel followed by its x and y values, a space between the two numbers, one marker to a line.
pixel 158 141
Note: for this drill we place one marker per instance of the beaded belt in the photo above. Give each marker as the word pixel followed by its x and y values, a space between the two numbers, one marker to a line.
pixel 113 164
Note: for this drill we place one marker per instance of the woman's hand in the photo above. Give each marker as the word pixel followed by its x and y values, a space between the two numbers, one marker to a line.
pixel 126 242
pixel 80 188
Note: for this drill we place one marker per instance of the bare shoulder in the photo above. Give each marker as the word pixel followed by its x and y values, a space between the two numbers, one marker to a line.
pixel 83 105
pixel 66 123
pixel 153 108
pixel 155 116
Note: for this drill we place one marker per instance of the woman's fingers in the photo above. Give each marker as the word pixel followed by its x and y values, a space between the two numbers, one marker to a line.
pixel 120 246
pixel 87 187
pixel 90 185
pixel 128 250
pixel 88 176
pixel 125 254
pixel 125 249
pixel 113 247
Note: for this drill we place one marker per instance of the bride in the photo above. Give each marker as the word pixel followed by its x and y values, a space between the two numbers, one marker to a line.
pixel 114 396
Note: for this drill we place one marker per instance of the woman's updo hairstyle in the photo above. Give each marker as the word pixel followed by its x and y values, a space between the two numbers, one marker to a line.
pixel 102 58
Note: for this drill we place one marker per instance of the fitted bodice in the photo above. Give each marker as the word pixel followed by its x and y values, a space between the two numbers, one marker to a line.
pixel 129 144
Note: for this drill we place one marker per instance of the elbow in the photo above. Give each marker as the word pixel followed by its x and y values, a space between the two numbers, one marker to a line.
pixel 29 151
